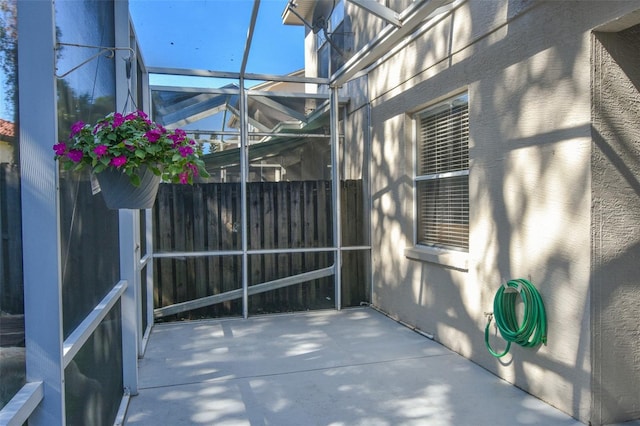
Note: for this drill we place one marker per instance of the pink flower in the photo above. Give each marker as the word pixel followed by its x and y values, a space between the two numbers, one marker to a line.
pixel 153 135
pixel 185 150
pixel 75 155
pixel 141 114
pixel 118 119
pixel 76 127
pixel 193 169
pixel 177 136
pixel 131 116
pixel 60 148
pixel 184 177
pixel 100 150
pixel 118 161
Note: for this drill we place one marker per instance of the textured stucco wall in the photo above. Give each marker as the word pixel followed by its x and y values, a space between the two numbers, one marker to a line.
pixel 526 66
pixel 616 226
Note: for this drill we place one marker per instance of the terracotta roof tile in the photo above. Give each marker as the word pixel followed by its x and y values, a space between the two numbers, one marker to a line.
pixel 7 128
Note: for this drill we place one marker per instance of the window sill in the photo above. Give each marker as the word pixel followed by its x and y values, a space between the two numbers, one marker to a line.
pixel 452 259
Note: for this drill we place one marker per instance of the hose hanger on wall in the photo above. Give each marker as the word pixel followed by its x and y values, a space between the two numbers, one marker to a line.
pixel 533 329
pixel 107 52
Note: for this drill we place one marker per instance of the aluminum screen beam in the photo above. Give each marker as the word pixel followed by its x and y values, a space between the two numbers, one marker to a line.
pixel 379 10
pixel 236 75
pixel 247 46
pixel 238 293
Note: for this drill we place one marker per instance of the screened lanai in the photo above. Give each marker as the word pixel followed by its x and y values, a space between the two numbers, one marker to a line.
pixel 289 284
pixel 281 219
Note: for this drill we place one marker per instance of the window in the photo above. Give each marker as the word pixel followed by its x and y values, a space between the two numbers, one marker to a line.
pixel 332 54
pixel 442 175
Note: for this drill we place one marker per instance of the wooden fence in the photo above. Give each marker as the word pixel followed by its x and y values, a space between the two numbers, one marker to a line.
pixel 281 215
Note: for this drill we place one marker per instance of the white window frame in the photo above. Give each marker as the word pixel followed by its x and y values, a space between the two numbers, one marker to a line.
pixel 455 256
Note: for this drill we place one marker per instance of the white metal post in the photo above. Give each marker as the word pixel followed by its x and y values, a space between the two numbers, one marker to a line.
pixel 129 220
pixel 244 176
pixel 40 208
pixel 334 110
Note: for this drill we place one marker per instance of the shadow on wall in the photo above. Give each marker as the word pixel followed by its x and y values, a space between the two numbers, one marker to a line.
pixel 530 193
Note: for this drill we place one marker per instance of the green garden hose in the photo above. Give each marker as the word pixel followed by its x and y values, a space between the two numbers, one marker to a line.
pixel 532 331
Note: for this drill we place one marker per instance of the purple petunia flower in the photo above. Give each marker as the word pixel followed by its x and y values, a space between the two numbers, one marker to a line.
pixel 100 150
pixel 153 135
pixel 60 148
pixel 184 177
pixel 75 155
pixel 185 150
pixel 118 119
pixel 118 161
pixel 76 127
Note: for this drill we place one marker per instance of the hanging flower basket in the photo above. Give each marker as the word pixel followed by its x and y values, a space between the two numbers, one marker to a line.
pixel 119 193
pixel 134 151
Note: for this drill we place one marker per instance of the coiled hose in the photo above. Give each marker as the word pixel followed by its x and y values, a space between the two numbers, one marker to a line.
pixel 532 331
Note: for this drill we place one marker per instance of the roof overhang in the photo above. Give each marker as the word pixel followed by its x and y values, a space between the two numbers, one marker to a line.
pixel 304 8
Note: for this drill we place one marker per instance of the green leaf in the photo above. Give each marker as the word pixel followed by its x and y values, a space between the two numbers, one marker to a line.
pixel 140 153
pixel 135 180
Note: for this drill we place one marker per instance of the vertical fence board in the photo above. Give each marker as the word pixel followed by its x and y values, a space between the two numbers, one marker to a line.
pixel 254 213
pixel 164 230
pixel 199 233
pixel 269 236
pixel 213 214
pixel 296 238
pixel 283 192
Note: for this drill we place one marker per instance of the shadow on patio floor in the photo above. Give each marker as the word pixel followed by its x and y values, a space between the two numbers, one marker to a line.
pixel 350 367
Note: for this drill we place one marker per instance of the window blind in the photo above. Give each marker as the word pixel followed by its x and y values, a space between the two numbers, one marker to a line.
pixel 442 179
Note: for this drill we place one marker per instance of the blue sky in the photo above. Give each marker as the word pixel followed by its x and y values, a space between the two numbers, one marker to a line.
pixel 211 34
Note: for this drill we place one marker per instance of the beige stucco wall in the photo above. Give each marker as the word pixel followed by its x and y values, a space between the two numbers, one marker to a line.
pixel 615 222
pixel 526 66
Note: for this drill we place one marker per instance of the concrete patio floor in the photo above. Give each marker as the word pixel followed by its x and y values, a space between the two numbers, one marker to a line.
pixel 350 367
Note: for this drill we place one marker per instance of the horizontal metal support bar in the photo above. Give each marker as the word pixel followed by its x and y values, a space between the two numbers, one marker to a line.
pixel 236 75
pixel 182 89
pixel 237 293
pixel 197 253
pixel 261 134
pixel 355 248
pixel 292 135
pixel 193 72
pixel 178 254
pixel 74 342
pixel 18 410
pixel 297 95
pixel 144 260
